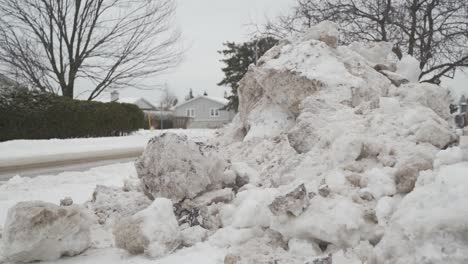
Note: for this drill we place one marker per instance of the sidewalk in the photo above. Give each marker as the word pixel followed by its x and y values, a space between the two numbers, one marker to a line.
pixel 30 164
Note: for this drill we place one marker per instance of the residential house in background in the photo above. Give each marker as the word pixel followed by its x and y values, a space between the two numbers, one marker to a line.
pixel 142 103
pixel 155 117
pixel 205 111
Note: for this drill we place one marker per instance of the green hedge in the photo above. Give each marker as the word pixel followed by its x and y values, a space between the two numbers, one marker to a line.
pixel 33 115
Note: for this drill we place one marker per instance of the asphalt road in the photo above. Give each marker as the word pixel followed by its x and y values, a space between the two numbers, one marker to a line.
pixel 60 164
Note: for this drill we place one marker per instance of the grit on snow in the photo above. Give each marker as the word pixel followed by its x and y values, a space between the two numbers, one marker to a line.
pixel 337 156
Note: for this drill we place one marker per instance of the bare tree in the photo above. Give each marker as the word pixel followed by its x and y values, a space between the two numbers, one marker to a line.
pixel 111 43
pixel 168 100
pixel 433 31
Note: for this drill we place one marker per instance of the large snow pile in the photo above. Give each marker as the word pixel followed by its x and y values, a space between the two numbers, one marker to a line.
pixel 352 127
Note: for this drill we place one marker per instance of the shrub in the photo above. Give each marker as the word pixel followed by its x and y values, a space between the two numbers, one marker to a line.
pixel 34 115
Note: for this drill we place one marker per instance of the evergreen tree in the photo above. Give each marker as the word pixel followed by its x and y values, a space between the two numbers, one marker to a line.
pixel 237 58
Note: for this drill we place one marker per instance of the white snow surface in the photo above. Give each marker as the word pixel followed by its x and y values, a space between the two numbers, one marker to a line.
pixel 30 151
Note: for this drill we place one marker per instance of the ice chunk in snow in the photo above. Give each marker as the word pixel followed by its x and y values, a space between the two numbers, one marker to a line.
pixel 39 231
pixel 153 231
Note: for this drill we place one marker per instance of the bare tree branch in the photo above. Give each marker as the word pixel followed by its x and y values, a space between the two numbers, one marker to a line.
pixel 433 31
pixel 113 43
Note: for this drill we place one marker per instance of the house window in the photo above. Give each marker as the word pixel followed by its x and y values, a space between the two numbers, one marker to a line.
pixel 214 112
pixel 191 112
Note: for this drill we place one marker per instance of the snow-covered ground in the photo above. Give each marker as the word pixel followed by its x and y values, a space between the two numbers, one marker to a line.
pixel 18 152
pixel 80 186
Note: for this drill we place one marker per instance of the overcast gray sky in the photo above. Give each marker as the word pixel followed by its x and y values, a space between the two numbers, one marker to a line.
pixel 205 25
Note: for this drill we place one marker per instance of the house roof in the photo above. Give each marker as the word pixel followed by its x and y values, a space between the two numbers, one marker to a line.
pixel 128 100
pixel 219 100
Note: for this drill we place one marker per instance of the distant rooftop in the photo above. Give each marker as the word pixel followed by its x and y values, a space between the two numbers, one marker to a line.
pixel 220 100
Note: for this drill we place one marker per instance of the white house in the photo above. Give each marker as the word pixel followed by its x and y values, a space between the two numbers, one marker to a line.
pixel 142 103
pixel 205 112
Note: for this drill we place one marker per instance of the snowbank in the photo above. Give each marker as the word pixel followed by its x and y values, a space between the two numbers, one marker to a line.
pixel 21 152
pixel 354 127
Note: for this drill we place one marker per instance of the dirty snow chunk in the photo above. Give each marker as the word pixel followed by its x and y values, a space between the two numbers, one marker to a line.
pixel 408 171
pixel 250 209
pixel 347 149
pixel 271 121
pixel 39 231
pixel 303 247
pixel 230 236
pixel 429 225
pixel 153 231
pixel 389 105
pixel 193 235
pixel 225 195
pixel 336 221
pixel 114 203
pixel 244 173
pixel 293 203
pixel 325 31
pixel 324 190
pixel 426 94
pixel 435 134
pixel 409 67
pixel 448 157
pixel 175 167
pixel 380 183
pixel 384 209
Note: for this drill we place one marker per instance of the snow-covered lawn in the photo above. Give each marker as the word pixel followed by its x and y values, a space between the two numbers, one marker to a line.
pixel 51 188
pixel 80 186
pixel 17 152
